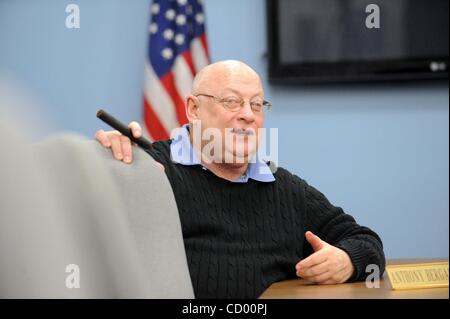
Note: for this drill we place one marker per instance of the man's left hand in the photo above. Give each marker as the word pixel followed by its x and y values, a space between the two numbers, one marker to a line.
pixel 327 265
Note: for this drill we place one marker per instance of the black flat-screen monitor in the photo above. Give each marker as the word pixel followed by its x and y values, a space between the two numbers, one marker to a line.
pixel 353 40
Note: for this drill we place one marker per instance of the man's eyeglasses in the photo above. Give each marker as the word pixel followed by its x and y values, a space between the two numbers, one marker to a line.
pixel 234 104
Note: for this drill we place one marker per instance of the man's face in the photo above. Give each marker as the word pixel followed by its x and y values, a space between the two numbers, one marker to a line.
pixel 239 129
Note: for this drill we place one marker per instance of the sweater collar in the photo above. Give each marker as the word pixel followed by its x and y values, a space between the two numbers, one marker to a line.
pixel 182 152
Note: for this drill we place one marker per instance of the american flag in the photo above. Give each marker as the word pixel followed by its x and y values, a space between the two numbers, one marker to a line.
pixel 177 51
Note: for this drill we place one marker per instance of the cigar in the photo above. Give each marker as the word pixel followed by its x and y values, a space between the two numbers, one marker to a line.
pixel 142 142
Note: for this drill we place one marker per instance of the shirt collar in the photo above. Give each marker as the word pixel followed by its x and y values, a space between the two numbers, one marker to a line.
pixel 182 152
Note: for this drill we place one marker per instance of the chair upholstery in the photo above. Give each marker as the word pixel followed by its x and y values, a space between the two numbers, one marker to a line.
pixel 67 201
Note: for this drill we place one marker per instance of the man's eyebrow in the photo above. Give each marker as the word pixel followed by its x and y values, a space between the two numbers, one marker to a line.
pixel 260 93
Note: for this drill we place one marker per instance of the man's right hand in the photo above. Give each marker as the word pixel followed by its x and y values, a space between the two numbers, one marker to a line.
pixel 119 144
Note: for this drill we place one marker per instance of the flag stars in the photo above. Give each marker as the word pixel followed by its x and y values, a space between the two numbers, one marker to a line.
pixel 181 19
pixel 200 18
pixel 167 53
pixel 153 28
pixel 179 39
pixel 170 14
pixel 155 8
pixel 168 34
pixel 182 2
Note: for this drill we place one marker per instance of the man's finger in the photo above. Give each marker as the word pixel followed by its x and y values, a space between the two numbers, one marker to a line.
pixel 102 137
pixel 321 278
pixel 313 271
pixel 339 276
pixel 315 259
pixel 126 149
pixel 336 278
pixel 315 241
pixel 327 282
pixel 136 129
pixel 116 147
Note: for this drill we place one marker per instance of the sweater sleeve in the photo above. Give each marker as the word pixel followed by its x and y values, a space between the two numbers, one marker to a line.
pixel 339 229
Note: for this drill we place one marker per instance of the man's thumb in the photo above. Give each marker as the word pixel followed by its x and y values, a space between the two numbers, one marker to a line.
pixel 314 240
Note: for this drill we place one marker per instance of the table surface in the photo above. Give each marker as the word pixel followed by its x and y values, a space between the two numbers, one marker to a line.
pixel 301 289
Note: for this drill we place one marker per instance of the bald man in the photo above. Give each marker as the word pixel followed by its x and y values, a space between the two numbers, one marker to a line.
pixel 245 225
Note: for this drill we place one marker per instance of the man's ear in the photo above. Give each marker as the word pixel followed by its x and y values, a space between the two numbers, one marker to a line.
pixel 192 108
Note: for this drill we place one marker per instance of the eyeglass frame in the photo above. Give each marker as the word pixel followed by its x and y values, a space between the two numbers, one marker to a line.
pixel 265 104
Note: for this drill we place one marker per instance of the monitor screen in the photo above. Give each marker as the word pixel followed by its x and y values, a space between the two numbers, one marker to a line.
pixel 351 40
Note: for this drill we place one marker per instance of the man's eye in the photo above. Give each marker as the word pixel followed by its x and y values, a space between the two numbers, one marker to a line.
pixel 231 101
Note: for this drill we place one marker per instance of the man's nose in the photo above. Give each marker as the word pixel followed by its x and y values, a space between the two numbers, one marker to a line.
pixel 246 113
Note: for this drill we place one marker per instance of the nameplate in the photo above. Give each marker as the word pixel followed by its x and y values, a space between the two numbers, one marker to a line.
pixel 414 276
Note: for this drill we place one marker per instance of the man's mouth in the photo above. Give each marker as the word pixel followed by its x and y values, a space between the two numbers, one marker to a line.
pixel 242 131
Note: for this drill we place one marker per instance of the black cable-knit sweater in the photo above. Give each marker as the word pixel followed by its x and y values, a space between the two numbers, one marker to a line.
pixel 242 237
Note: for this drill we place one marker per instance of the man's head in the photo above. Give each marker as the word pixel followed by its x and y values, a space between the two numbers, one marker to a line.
pixel 217 90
